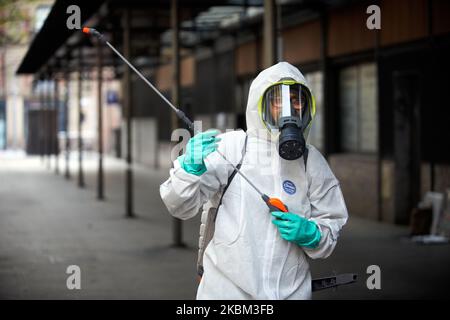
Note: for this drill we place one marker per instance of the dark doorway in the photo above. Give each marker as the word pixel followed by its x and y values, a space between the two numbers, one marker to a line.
pixel 41 132
pixel 406 102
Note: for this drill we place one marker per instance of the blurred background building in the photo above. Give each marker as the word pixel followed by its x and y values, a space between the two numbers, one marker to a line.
pixel 20 21
pixel 68 102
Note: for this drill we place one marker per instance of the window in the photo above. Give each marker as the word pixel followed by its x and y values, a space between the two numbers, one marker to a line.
pixel 358 108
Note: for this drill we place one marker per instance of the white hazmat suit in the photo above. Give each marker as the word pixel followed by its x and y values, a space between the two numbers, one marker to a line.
pixel 247 258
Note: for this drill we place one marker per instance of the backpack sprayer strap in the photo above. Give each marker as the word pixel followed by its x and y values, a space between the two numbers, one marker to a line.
pixel 230 178
pixel 209 223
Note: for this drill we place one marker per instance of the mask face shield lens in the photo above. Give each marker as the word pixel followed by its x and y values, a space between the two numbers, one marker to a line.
pixel 284 101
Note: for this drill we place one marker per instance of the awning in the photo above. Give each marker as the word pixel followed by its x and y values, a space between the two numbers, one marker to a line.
pixel 54 33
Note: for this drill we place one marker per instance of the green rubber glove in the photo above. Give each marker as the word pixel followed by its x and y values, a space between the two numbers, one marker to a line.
pixel 197 148
pixel 297 229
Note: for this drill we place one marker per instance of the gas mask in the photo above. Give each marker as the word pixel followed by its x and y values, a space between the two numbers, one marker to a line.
pixel 288 107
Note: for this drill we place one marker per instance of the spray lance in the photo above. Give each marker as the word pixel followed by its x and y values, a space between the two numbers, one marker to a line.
pixel 274 204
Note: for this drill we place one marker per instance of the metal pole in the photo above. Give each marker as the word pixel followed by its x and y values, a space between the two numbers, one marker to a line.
pixel 177 224
pixel 128 114
pixel 56 122
pixel 377 40
pixel 42 119
pixel 48 125
pixel 100 194
pixel 80 120
pixel 279 32
pixel 50 121
pixel 66 122
pixel 270 40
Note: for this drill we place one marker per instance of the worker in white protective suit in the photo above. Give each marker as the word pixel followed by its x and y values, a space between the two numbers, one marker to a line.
pixel 255 253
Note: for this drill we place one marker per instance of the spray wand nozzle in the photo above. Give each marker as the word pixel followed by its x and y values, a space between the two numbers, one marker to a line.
pixel 181 115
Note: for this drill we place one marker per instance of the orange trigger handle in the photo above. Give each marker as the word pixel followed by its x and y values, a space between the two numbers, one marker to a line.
pixel 277 203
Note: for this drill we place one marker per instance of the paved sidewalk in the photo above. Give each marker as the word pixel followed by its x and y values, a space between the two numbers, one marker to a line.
pixel 47 223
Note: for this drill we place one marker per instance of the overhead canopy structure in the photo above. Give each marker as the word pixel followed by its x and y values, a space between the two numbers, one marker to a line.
pixel 200 21
pixel 53 34
pixel 150 27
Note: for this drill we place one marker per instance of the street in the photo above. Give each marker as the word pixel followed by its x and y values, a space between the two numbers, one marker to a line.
pixel 47 224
